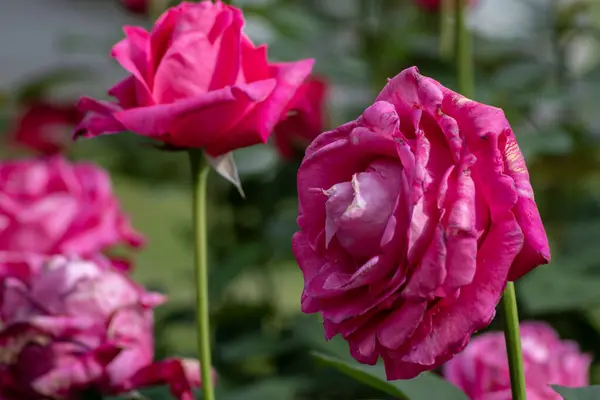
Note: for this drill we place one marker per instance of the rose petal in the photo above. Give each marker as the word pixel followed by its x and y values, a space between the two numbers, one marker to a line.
pixel 536 250
pixel 259 124
pixel 401 324
pixel 431 271
pixel 202 127
pixel 461 236
pixel 182 375
pixel 132 54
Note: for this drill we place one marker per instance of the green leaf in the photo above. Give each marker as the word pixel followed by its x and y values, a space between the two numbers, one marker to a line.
pixel 277 388
pixel 571 289
pixel 309 329
pixel 584 393
pixel 424 387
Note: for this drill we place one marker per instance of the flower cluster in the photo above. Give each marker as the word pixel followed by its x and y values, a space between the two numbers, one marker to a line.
pixel 72 319
pixel 412 219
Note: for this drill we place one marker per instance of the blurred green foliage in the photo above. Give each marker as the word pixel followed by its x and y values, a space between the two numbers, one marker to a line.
pixel 588 393
pixel 262 342
pixel 426 385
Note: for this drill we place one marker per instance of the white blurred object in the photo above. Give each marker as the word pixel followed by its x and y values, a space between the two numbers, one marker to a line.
pixel 505 19
pixel 582 54
pixel 31 32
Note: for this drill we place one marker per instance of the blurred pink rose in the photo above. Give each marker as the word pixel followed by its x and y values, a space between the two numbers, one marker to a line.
pixel 136 6
pixel 78 325
pixel 45 127
pixel 26 266
pixel 52 206
pixel 305 118
pixel 481 371
pixel 434 5
pixel 196 82
pixel 412 218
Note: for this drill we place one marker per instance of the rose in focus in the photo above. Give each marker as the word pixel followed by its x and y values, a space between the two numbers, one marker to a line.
pixel 78 325
pixel 196 82
pixel 52 206
pixel 481 371
pixel 412 219
pixel 305 119
pixel 45 127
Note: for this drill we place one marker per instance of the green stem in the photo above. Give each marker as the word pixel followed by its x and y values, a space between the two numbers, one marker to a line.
pixel 464 52
pixel 447 21
pixel 200 169
pixel 513 342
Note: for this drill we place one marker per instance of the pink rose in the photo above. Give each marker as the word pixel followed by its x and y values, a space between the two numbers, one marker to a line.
pixel 481 371
pixel 77 325
pixel 305 118
pixel 52 206
pixel 136 6
pixel 196 82
pixel 45 127
pixel 434 5
pixel 412 218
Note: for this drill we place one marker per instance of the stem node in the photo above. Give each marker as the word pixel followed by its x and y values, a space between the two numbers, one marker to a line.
pixel 512 336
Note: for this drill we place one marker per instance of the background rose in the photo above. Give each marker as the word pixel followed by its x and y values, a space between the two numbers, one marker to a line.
pixel 305 120
pixel 25 267
pixel 412 219
pixel 52 206
pixel 196 81
pixel 436 4
pixel 45 127
pixel 80 325
pixel 136 6
pixel 481 371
